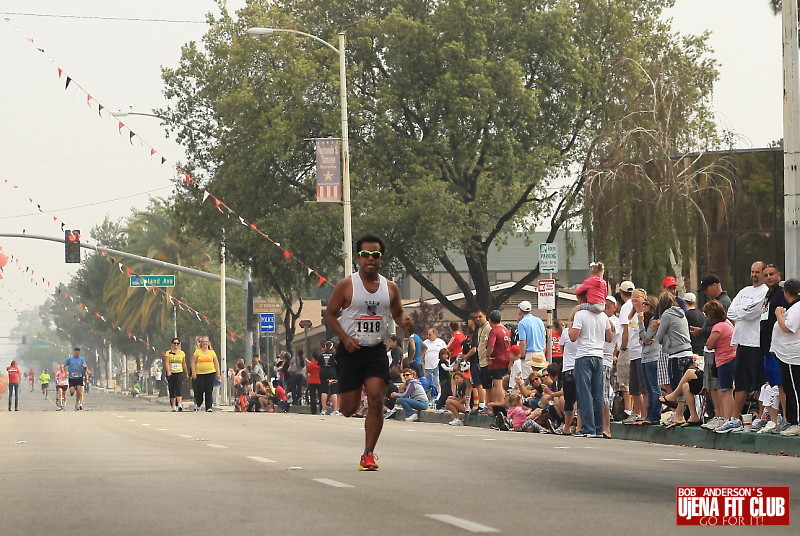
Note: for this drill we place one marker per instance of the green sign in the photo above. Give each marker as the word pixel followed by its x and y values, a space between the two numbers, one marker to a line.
pixel 153 280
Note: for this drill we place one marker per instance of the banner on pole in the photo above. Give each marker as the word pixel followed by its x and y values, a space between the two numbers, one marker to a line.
pixel 329 170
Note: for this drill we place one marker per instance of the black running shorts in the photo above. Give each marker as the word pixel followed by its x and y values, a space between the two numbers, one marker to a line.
pixel 366 362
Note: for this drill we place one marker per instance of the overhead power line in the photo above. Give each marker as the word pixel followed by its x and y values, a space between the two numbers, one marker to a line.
pixel 95 17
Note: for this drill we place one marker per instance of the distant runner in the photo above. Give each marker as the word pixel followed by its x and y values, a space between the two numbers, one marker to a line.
pixel 62 384
pixel 76 368
pixel 44 379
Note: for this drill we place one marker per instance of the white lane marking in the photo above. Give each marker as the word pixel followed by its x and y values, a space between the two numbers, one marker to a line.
pixel 333 483
pixel 145 424
pixel 488 439
pixel 120 416
pixel 685 460
pixel 216 446
pixel 162 429
pixel 562 447
pixel 747 466
pixel 131 420
pixel 261 459
pixel 471 526
pixel 184 435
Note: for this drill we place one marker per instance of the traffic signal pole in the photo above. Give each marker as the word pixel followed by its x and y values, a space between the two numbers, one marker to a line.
pixel 145 260
pixel 190 271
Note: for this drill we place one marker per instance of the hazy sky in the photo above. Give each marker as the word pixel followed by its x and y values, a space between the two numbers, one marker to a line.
pixel 73 163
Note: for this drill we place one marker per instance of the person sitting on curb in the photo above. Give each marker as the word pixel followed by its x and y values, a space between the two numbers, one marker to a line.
pixel 530 388
pixel 519 416
pixel 414 397
pixel 457 402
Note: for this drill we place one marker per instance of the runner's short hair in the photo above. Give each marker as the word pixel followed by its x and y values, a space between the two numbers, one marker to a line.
pixel 370 238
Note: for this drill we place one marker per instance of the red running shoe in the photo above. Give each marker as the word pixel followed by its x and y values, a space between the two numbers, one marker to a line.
pixel 368 462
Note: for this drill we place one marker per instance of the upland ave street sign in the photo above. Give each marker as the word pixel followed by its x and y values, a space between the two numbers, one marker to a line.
pixel 547 294
pixel 548 257
pixel 153 280
pixel 305 324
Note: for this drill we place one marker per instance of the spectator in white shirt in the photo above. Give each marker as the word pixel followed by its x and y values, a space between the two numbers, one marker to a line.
pixel 430 356
pixel 745 312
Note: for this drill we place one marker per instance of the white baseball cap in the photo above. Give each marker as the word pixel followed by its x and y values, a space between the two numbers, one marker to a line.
pixel 612 299
pixel 525 306
pixel 690 297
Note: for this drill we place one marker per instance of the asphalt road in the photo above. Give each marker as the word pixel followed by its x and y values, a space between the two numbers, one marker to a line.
pixel 128 466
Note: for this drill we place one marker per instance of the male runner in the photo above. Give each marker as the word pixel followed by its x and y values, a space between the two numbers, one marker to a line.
pixel 76 368
pixel 44 379
pixel 366 301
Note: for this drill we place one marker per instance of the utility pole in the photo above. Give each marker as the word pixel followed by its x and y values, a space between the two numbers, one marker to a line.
pixel 223 339
pixel 791 140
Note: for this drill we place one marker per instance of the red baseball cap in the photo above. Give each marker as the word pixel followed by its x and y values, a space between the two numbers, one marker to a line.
pixel 669 281
pixel 514 349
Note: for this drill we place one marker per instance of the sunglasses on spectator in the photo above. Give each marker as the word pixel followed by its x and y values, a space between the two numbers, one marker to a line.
pixel 364 254
pixel 176 342
pixel 545 375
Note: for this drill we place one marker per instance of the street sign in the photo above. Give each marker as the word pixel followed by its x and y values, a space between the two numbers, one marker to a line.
pixel 267 305
pixel 548 257
pixel 547 294
pixel 153 280
pixel 267 322
pixel 305 324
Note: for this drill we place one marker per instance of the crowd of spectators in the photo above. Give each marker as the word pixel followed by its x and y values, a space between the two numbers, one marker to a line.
pixel 666 362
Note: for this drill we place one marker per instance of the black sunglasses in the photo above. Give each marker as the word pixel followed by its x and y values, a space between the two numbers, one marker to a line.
pixel 366 254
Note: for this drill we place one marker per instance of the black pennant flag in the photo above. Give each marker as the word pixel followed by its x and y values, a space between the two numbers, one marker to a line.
pixel 68 81
pixel 131 135
pixel 99 109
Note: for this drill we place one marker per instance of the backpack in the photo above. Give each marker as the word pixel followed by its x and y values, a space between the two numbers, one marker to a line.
pixel 503 423
pixel 618 407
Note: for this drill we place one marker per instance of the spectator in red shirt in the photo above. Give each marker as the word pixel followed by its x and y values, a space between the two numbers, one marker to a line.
pixel 457 337
pixel 498 344
pixel 314 384
pixel 279 397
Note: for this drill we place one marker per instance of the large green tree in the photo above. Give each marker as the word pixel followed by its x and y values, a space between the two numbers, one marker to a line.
pixel 468 120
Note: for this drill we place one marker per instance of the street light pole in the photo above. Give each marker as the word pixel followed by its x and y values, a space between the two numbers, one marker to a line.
pixel 256 33
pixel 348 229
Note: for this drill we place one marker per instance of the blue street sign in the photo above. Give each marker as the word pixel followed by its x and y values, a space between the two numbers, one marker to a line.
pixel 267 322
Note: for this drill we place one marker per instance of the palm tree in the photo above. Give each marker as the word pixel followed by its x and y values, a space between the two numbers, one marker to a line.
pixel 153 233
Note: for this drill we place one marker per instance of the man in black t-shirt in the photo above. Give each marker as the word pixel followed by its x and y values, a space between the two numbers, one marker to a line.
pixel 696 319
pixel 327 377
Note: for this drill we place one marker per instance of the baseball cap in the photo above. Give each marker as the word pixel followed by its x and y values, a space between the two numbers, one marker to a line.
pixel 612 299
pixel 626 286
pixel 707 281
pixel 525 305
pixel 689 297
pixel 514 349
pixel 792 286
pixel 669 281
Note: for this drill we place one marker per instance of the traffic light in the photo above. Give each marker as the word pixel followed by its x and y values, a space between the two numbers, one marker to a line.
pixel 72 246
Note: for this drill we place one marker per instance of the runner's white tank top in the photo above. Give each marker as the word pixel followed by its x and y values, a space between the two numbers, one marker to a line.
pixel 368 315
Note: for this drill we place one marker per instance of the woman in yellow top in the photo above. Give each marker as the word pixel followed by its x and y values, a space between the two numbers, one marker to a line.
pixel 175 365
pixel 205 369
